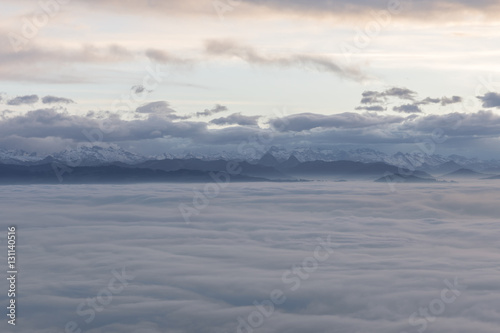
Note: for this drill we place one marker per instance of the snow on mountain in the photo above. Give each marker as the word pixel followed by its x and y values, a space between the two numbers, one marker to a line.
pixel 87 155
pixel 90 155
pixel 15 156
pixel 306 154
pixel 476 164
pixel 366 155
pixel 224 155
pixel 415 160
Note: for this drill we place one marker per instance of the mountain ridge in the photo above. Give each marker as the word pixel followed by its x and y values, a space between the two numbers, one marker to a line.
pixel 94 155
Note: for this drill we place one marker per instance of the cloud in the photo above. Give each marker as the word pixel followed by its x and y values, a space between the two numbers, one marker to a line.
pixel 165 57
pixel 138 89
pixel 466 125
pixel 236 119
pixel 308 121
pixel 373 97
pixel 372 108
pixel 376 97
pixel 407 108
pixel 443 100
pixel 209 112
pixel 203 276
pixel 439 11
pixel 54 64
pixel 160 109
pixel 158 125
pixel 54 99
pixel 228 48
pixel 428 100
pixel 452 100
pixel 490 100
pixel 456 10
pixel 45 123
pixel 21 100
pixel 401 93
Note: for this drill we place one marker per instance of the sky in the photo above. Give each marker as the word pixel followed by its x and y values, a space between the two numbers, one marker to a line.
pixel 366 259
pixel 165 76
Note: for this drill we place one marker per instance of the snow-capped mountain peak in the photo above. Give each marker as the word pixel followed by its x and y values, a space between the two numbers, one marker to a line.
pixel 89 155
pixel 18 156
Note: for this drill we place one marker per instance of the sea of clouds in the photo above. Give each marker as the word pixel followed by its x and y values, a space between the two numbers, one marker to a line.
pixel 261 257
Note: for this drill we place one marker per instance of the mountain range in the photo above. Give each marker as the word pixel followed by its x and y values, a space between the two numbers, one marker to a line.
pixel 114 164
pixel 88 155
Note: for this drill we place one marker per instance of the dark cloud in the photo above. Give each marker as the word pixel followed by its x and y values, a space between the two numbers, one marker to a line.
pixel 404 9
pixel 227 48
pixel 372 108
pixel 407 108
pixel 236 119
pixel 45 123
pixel 443 100
pixel 21 100
pixel 415 106
pixel 138 89
pixel 375 97
pixel 209 112
pixel 490 100
pixel 439 11
pixel 452 100
pixel 428 100
pixel 466 125
pixel 402 93
pixel 160 109
pixel 372 97
pixel 308 121
pixel 54 99
pixel 158 125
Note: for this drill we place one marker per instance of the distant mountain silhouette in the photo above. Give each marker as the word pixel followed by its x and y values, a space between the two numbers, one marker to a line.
pixel 493 177
pixel 268 160
pixel 197 170
pixel 464 173
pixel 47 174
pixel 349 168
pixel 106 154
pixel 440 169
pixel 401 178
pixel 248 169
pixel 291 162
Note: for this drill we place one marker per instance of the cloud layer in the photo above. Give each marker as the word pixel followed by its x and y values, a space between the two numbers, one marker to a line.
pixel 392 253
pixel 229 48
pixel 159 128
pixel 390 95
pixel 336 8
